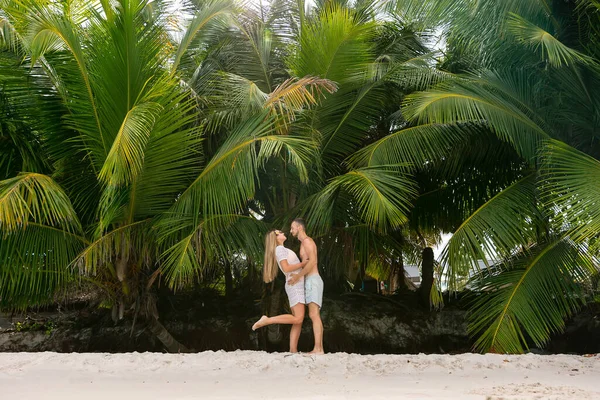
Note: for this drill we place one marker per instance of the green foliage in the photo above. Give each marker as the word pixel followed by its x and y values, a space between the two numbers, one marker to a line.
pixel 29 326
pixel 529 90
pixel 136 152
pixel 529 299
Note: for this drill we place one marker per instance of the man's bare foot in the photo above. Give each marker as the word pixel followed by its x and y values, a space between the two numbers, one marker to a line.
pixel 318 352
pixel 260 323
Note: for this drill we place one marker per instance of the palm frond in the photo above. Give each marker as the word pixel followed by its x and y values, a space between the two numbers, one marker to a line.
pixel 228 179
pixel 334 45
pixel 32 197
pixel 416 73
pixel 493 102
pixel 382 196
pixel 530 299
pixel 34 264
pixel 124 161
pixel 49 30
pixel 9 37
pixel 344 118
pixel 455 186
pixel 209 17
pixel 503 225
pixel 130 242
pixel 535 37
pixel 257 55
pixel 570 191
pixel 414 145
pixel 172 157
pixel 425 14
pixel 214 237
pixel 236 94
pixel 295 95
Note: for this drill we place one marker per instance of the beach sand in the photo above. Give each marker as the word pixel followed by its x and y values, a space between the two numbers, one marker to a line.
pixel 258 375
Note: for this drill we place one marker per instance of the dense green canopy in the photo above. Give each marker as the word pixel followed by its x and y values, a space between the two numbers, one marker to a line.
pixel 140 142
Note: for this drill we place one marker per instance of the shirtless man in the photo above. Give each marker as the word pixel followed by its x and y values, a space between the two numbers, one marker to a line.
pixel 313 284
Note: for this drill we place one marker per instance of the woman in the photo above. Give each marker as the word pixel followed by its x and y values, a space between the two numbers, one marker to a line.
pixel 288 262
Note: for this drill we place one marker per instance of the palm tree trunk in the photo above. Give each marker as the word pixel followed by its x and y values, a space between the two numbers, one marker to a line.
pixel 397 275
pixel 228 281
pixel 358 282
pixel 161 333
pixel 427 279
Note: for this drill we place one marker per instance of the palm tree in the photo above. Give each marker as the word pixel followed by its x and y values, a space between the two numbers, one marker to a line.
pixel 123 191
pixel 155 153
pixel 535 97
pixel 279 52
pixel 152 152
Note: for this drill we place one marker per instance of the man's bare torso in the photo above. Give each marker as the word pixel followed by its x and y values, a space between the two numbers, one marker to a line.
pixel 304 253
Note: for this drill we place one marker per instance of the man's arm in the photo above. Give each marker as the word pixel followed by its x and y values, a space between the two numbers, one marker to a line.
pixel 287 267
pixel 311 261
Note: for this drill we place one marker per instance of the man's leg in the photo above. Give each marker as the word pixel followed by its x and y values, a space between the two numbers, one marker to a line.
pixel 314 312
pixel 295 336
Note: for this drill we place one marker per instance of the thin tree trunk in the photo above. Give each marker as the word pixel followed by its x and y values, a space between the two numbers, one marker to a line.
pixel 397 275
pixel 121 268
pixel 228 281
pixel 161 333
pixel 427 277
pixel 358 282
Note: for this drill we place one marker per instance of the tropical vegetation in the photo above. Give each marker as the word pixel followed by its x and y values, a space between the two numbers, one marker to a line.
pixel 152 143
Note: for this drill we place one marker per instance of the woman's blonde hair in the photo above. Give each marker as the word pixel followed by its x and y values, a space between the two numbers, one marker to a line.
pixel 270 266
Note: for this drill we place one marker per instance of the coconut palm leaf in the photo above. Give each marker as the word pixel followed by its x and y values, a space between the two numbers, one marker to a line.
pixel 414 145
pixel 228 179
pixel 492 101
pixel 234 98
pixel 335 46
pixel 9 37
pixel 505 223
pixel 424 14
pixel 206 20
pixel 416 73
pixel 535 37
pixel 235 94
pixel 213 238
pixel 50 30
pixel 172 158
pixel 21 149
pixel 453 187
pixel 531 298
pixel 32 197
pixel 34 264
pixel 382 196
pixel 569 190
pixel 124 161
pixel 295 95
pixel 345 117
pixel 131 242
pixel 257 57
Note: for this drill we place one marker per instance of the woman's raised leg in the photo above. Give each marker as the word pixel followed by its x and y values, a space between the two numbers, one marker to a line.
pixel 289 319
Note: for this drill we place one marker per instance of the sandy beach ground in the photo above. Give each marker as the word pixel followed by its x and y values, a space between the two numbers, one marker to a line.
pixel 259 375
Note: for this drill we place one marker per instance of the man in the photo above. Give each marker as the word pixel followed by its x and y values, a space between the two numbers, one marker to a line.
pixel 313 284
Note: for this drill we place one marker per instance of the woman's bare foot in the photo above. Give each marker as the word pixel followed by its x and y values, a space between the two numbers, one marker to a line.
pixel 318 352
pixel 260 323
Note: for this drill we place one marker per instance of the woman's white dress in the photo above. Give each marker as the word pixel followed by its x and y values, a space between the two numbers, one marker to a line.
pixel 295 293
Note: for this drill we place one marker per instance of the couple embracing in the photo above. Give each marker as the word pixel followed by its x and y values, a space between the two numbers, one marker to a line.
pixel 304 286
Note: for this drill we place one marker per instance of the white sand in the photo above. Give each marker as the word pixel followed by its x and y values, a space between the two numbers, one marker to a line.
pixel 258 375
